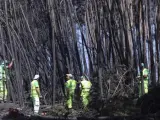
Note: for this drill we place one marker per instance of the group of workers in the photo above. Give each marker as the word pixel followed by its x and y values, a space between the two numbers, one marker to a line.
pixel 35 90
pixel 70 87
pixel 85 87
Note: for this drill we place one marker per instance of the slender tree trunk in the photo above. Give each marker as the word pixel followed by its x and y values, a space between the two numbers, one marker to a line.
pixel 51 4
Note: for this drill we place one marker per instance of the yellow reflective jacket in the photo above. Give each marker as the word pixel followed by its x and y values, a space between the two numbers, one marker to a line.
pixel 71 84
pixel 86 85
pixel 145 72
pixel 34 85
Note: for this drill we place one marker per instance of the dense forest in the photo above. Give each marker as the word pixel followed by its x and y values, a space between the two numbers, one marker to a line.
pixel 105 40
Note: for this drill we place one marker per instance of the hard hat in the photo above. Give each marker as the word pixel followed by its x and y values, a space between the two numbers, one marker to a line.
pixel 69 75
pixel 36 77
pixel 142 64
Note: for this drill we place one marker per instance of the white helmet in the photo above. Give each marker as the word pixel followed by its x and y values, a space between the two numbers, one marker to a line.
pixel 36 77
pixel 69 75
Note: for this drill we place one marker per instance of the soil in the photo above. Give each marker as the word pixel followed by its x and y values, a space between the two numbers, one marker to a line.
pixel 113 110
pixel 11 111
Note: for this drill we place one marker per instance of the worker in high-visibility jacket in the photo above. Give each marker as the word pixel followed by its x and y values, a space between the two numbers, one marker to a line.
pixel 3 79
pixel 35 94
pixel 145 74
pixel 70 87
pixel 85 86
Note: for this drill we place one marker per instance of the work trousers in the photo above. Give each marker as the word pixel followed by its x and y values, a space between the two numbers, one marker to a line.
pixel 145 87
pixel 70 97
pixel 3 91
pixel 36 104
pixel 85 97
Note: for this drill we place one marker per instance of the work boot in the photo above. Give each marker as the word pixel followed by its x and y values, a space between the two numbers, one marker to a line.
pixel 70 110
pixel 85 109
